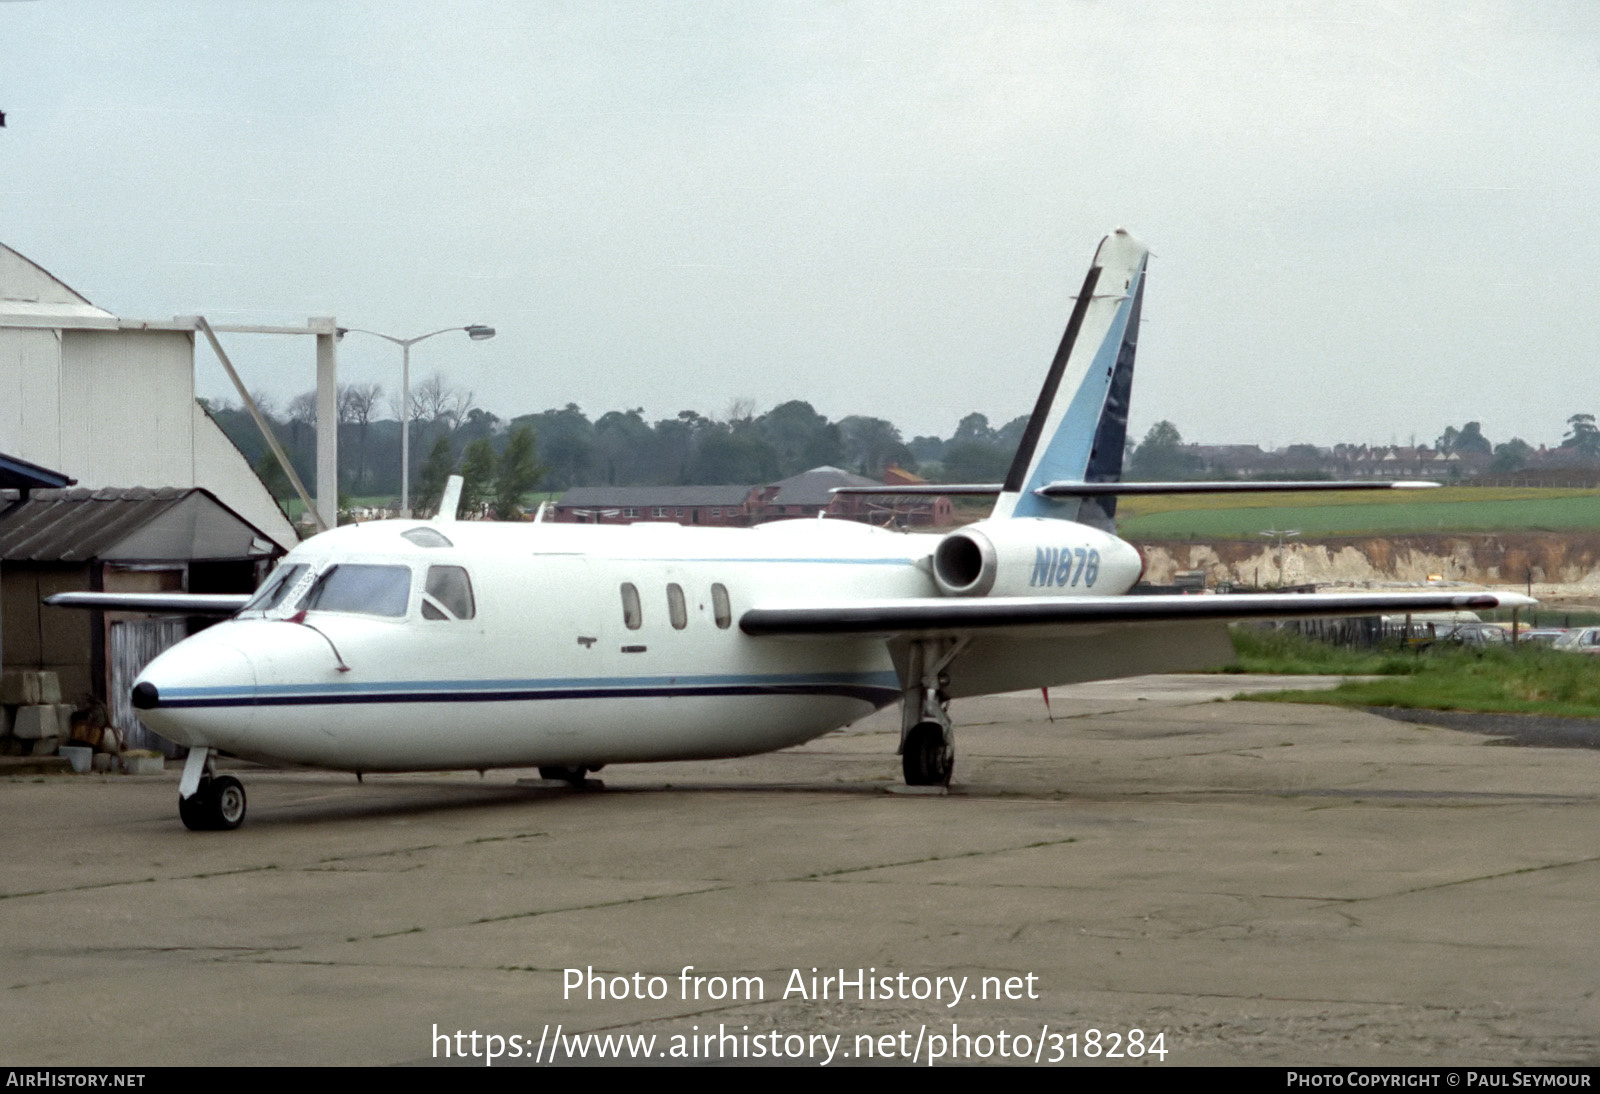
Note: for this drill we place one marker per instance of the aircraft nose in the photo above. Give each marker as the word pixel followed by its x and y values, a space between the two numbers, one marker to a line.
pixel 185 692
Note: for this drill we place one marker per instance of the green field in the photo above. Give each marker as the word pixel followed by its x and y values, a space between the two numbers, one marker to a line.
pixel 1522 679
pixel 1447 509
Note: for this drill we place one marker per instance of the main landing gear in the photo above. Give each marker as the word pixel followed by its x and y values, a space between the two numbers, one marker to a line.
pixel 927 739
pixel 576 776
pixel 206 802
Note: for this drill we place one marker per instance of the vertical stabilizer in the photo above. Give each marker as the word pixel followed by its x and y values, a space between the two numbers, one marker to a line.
pixel 1080 423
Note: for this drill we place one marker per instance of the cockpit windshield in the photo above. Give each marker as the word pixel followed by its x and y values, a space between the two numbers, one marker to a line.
pixel 360 587
pixel 274 589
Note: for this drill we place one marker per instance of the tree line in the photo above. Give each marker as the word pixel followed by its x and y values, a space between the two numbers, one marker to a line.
pixel 1164 455
pixel 557 449
pixel 451 433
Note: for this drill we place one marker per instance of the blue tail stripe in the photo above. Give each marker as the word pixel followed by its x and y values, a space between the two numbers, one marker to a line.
pixel 1066 458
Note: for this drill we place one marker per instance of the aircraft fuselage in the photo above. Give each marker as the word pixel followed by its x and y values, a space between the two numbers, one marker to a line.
pixel 576 644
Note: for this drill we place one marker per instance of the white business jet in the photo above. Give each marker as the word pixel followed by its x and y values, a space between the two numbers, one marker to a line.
pixel 409 645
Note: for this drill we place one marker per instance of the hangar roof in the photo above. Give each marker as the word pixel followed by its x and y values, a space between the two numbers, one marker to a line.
pixel 29 291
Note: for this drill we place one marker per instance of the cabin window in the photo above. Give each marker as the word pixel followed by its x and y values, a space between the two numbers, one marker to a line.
pixel 427 537
pixel 356 587
pixel 677 610
pixel 632 616
pixel 721 609
pixel 274 589
pixel 449 588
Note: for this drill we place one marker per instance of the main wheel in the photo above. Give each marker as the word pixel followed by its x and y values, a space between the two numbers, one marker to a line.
pixel 573 775
pixel 927 759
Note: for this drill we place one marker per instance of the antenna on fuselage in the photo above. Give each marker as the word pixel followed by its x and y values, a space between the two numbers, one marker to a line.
pixel 450 502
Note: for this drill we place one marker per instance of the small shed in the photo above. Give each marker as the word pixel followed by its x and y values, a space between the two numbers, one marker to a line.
pixel 114 540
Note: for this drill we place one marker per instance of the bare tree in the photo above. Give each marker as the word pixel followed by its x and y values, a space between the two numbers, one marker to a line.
pixel 356 404
pixel 435 401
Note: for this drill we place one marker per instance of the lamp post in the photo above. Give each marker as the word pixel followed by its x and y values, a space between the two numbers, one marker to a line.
pixel 475 331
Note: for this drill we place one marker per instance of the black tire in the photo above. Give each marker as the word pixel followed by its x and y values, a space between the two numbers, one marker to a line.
pixel 926 759
pixel 192 811
pixel 573 775
pixel 218 806
pixel 227 803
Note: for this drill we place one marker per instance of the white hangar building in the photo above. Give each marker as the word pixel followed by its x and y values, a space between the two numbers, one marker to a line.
pixel 111 402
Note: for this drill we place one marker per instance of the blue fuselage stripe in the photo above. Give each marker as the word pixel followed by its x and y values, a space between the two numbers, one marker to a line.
pixel 879 689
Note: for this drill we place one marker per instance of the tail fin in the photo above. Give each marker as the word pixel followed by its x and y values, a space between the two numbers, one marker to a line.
pixel 1080 423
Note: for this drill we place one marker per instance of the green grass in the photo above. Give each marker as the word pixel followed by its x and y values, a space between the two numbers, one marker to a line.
pixel 1516 680
pixel 1448 509
pixel 1292 654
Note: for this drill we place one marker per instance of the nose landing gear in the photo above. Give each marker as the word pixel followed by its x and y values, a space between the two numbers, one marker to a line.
pixel 206 802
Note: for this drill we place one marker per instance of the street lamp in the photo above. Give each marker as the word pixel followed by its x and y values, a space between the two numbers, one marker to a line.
pixel 475 331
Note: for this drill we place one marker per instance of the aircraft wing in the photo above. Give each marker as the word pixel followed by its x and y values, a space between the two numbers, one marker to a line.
pixel 162 603
pixel 1020 617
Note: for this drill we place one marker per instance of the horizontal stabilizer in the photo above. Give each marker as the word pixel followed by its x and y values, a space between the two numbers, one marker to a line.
pixel 156 603
pixel 1128 489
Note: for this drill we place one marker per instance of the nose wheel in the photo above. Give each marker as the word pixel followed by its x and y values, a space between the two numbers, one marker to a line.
pixel 208 802
pixel 218 806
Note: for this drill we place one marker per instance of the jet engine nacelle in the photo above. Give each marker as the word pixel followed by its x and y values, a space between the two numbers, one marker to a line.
pixel 1034 557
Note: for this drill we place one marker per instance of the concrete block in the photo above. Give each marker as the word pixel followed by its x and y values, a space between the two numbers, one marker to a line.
pixel 19 688
pixel 78 756
pixel 33 723
pixel 49 687
pixel 45 746
pixel 143 763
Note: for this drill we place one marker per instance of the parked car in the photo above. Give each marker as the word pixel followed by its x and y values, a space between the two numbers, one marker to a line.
pixel 1544 636
pixel 1582 640
pixel 1472 634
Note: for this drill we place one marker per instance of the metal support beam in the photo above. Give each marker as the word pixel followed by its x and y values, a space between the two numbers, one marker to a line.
pixel 327 422
pixel 261 422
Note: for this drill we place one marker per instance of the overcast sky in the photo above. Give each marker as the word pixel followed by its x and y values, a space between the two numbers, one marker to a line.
pixel 1370 220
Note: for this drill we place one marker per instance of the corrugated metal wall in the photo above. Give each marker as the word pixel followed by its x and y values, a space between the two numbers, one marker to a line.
pixel 30 395
pixel 107 377
pixel 134 644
